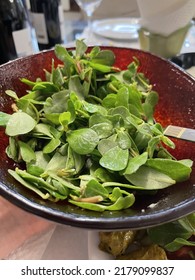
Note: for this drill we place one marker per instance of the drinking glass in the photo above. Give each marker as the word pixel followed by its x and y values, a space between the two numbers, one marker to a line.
pixel 88 7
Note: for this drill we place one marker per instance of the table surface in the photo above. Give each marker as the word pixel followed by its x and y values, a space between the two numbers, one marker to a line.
pixel 26 236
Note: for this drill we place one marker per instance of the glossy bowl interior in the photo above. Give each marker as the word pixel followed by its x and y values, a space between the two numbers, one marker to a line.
pixel 176 106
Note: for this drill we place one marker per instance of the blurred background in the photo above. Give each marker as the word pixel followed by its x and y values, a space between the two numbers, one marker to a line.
pixel 107 9
pixel 112 23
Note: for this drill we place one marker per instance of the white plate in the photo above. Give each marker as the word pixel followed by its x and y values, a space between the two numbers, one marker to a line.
pixel 117 28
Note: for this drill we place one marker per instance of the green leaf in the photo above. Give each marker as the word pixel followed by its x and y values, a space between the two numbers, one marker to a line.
pixel 62 53
pixel 81 48
pixel 77 160
pixel 120 110
pixel 135 97
pixel 143 136
pixel 12 150
pixel 169 235
pixel 116 193
pixel 4 118
pixel 56 163
pixel 83 141
pixel 12 94
pixel 38 181
pixel 174 169
pixel 152 98
pixel 101 125
pixel 122 98
pixel 100 67
pixel 93 108
pixel 57 103
pixel 65 119
pixel 26 152
pixel 76 86
pixel 104 175
pixel 66 57
pixel 45 87
pixel 38 166
pixel 19 123
pixel 121 185
pixel 103 130
pixel 94 188
pixel 123 139
pixel 122 203
pixel 187 162
pixel 104 57
pixel 177 244
pixel 106 144
pixel 28 82
pixel 191 220
pixel 109 101
pixel 64 182
pixel 150 178
pixel 28 185
pixel 149 105
pixel 168 142
pixel 157 129
pixel 37 184
pixel 135 163
pixel 43 129
pixel 152 145
pixel 27 106
pixel 51 146
pixel 115 159
pixel 57 77
pixel 89 206
pixel 63 190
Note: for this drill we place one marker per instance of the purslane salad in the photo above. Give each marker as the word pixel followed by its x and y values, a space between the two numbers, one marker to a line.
pixel 87 136
pixel 87 133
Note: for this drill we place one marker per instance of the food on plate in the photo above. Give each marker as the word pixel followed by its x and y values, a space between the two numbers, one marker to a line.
pixel 149 252
pixel 174 240
pixel 86 134
pixel 116 242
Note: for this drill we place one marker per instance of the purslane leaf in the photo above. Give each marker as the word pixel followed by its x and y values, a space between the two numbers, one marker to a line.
pixel 115 159
pixel 19 123
pixel 150 178
pixel 83 141
pixel 135 163
pixel 174 169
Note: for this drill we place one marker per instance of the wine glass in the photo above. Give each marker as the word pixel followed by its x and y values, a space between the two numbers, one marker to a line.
pixel 88 7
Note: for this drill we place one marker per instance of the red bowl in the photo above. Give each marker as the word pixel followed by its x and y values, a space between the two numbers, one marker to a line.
pixel 176 106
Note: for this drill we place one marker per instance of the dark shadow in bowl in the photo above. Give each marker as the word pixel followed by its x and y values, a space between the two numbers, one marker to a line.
pixel 176 106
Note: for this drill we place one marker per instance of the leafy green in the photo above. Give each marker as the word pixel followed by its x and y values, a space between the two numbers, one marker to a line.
pixel 17 126
pixel 172 236
pixel 109 161
pixel 150 178
pixel 87 133
pixel 83 141
pixel 4 118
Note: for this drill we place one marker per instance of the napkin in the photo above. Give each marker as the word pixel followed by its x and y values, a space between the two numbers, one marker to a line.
pixel 165 17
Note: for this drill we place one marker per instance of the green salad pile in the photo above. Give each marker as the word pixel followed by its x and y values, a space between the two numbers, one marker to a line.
pixel 87 133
